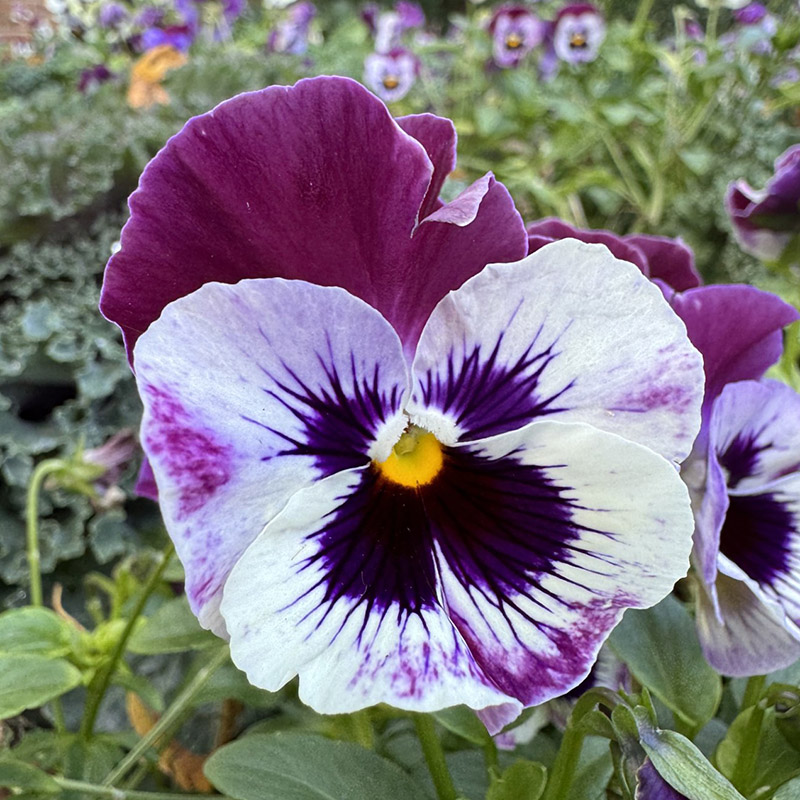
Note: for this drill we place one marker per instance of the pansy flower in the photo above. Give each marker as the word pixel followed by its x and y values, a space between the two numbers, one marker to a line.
pixel 749 600
pixel 765 221
pixel 746 508
pixel 578 33
pixel 391 75
pixel 405 490
pixel 515 32
pixel 745 522
pixel 291 34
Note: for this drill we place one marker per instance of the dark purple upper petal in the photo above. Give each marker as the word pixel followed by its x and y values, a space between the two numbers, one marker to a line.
pixel 738 329
pixel 658 257
pixel 438 136
pixel 553 229
pixel 669 260
pixel 314 182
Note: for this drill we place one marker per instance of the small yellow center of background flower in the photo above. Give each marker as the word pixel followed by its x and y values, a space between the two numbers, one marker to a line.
pixel 513 41
pixel 415 460
pixel 391 82
pixel 577 40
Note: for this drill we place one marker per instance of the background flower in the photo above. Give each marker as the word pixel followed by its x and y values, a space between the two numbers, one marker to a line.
pixel 391 75
pixel 578 33
pixel 765 221
pixel 515 32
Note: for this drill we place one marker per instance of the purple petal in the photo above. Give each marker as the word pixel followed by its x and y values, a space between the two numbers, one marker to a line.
pixel 146 481
pixel 569 333
pixel 651 786
pixel 738 330
pixel 552 229
pixel 751 638
pixel 669 260
pixel 438 136
pixel 252 392
pixel 756 433
pixel 315 182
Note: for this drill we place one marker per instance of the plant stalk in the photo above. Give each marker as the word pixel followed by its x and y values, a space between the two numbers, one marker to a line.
pixel 434 757
pixel 179 706
pixel 101 681
pixel 40 473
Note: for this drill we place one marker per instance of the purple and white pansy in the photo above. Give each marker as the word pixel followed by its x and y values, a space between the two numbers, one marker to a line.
pixel 579 30
pixel 515 31
pixel 402 474
pixel 744 469
pixel 391 75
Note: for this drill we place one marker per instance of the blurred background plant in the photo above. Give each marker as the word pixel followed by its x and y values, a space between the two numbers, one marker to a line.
pixel 631 117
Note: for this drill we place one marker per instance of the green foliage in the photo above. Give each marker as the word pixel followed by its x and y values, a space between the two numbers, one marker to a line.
pixel 302 767
pixel 29 681
pixel 661 649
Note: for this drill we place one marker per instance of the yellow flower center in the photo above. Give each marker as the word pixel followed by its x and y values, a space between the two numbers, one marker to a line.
pixel 577 40
pixel 415 460
pixel 390 82
pixel 513 41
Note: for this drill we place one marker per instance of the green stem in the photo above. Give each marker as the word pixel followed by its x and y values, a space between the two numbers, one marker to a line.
pixel 640 20
pixel 711 23
pixel 566 761
pixel 43 469
pixel 744 768
pixel 752 693
pixel 434 757
pixel 58 715
pixel 179 706
pixel 99 685
pixel 361 725
pixel 94 790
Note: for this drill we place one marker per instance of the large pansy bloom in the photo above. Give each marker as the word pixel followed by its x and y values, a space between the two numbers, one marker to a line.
pixel 399 493
pixel 462 527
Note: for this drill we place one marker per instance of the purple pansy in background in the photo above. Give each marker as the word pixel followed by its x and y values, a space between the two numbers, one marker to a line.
pixel 178 36
pixel 388 27
pixel 515 32
pixel 578 32
pixel 111 15
pixel 291 34
pixel 385 488
pixel 764 222
pixel 391 75
pixel 94 76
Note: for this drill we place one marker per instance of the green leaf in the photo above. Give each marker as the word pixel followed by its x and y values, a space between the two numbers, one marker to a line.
pixel 661 649
pixel 34 630
pixel 681 764
pixel 19 775
pixel 776 761
pixel 28 681
pixel 523 780
pixel 463 722
pixel 172 629
pixel 594 770
pixel 301 767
